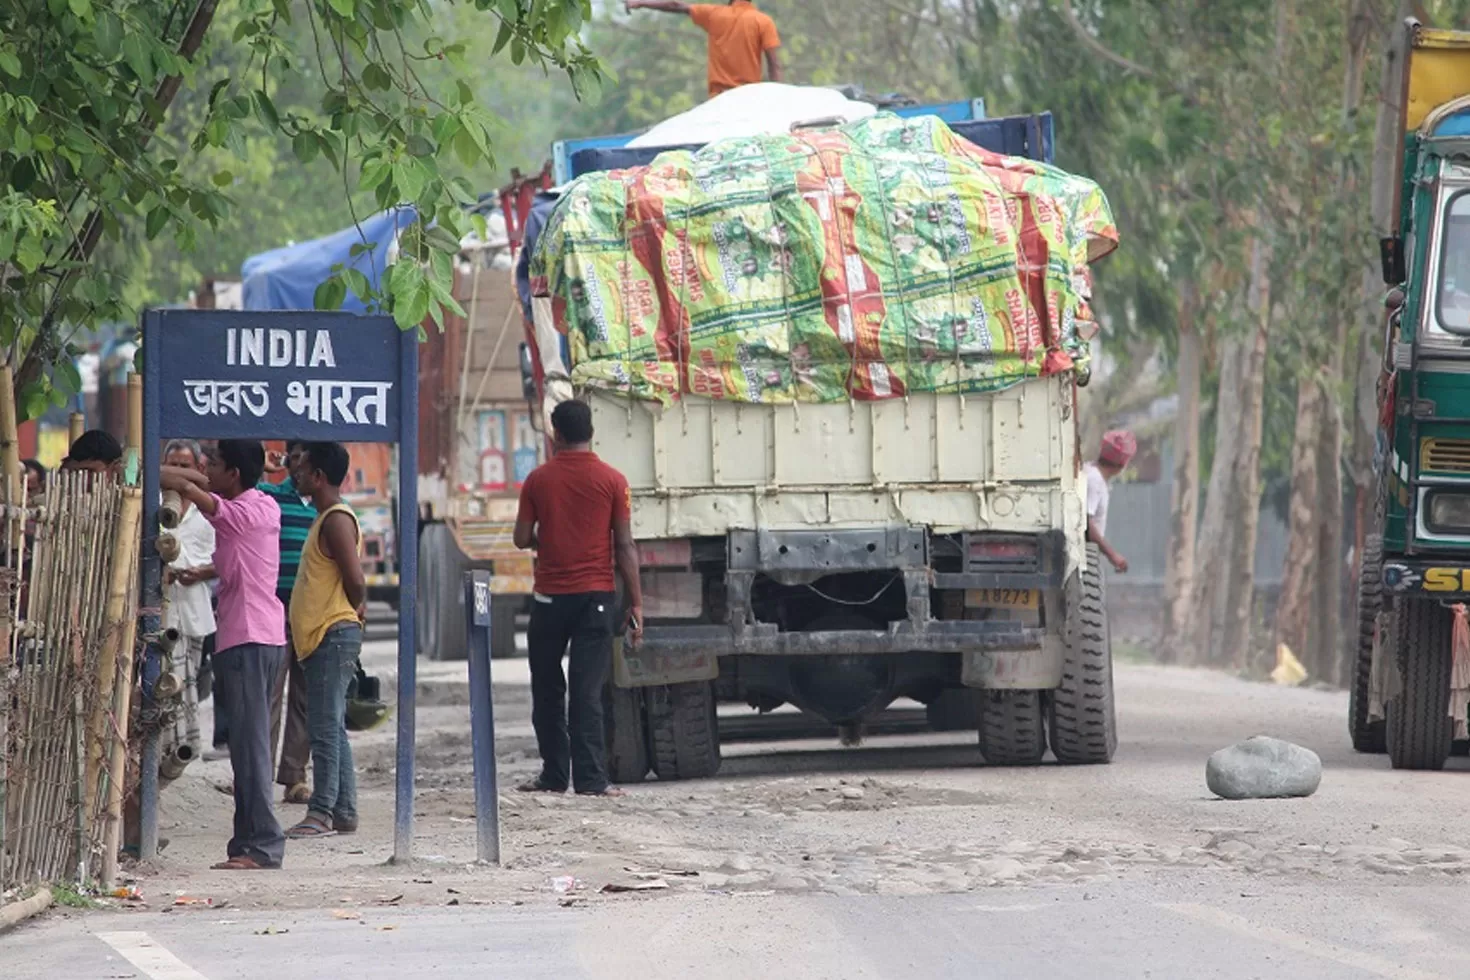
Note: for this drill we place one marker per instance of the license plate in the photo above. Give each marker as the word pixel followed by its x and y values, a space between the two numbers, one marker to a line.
pixel 1002 598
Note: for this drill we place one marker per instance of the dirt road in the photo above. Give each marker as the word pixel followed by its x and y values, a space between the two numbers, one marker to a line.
pixel 902 814
pixel 899 858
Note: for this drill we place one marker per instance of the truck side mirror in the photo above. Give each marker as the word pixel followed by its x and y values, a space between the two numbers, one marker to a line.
pixel 528 374
pixel 1391 255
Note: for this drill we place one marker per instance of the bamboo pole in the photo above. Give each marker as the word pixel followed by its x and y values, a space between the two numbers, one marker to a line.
pixel 76 424
pixel 120 583
pixel 125 555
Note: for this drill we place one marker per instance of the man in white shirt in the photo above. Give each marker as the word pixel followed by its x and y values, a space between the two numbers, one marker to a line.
pixel 189 609
pixel 1118 448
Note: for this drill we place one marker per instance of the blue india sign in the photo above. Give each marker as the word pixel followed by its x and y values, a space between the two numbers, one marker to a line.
pixel 279 375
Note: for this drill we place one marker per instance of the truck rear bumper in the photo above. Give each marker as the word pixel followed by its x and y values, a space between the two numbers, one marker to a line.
pixel 959 636
pixel 1444 581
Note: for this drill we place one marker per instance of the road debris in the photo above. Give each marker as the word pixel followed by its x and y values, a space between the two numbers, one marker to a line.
pixel 642 885
pixel 1262 767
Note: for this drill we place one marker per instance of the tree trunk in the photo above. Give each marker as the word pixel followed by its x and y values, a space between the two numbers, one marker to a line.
pixel 1245 514
pixel 1294 609
pixel 1215 534
pixel 1179 573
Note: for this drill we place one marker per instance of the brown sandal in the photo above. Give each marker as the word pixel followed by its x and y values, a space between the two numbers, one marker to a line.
pixel 297 793
pixel 242 862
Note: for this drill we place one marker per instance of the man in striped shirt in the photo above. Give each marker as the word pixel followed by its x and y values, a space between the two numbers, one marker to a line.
pixel 297 516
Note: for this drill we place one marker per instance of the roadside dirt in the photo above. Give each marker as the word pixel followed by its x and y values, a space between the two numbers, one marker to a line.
pixel 902 814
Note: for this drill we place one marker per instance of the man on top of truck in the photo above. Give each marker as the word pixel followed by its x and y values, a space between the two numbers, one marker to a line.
pixel 738 33
pixel 1118 448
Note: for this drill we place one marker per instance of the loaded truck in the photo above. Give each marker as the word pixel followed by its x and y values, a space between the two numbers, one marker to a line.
pixel 476 441
pixel 843 392
pixel 1415 569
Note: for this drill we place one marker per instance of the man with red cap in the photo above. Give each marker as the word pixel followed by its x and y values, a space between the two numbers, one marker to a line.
pixel 1118 448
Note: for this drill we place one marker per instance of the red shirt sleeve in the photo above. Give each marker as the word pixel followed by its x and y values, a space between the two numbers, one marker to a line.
pixel 527 512
pixel 622 499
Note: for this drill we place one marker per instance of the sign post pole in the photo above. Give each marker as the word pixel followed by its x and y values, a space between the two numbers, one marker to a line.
pixel 150 592
pixel 477 609
pixel 408 577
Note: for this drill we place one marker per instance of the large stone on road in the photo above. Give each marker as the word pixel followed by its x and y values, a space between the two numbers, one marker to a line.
pixel 1262 768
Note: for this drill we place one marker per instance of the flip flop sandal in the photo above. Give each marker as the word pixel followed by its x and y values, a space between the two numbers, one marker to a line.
pixel 242 862
pixel 310 828
pixel 297 793
pixel 611 791
pixel 344 826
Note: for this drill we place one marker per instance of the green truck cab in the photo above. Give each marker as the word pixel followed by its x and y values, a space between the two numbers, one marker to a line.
pixel 1416 567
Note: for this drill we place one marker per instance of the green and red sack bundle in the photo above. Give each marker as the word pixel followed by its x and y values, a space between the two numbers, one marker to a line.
pixel 882 258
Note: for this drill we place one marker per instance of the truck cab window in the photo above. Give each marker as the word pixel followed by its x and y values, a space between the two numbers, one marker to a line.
pixel 1454 268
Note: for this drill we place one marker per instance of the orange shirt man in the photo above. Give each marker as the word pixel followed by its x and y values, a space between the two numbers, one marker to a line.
pixel 739 35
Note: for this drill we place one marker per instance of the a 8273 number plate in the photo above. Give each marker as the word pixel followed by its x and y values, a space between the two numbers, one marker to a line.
pixel 1001 598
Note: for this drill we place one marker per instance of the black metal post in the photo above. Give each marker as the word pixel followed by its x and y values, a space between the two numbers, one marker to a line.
pixel 482 716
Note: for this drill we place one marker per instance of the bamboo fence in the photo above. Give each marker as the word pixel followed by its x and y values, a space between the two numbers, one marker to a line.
pixel 67 608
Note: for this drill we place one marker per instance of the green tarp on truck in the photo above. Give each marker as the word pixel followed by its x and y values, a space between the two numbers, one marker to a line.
pixel 864 262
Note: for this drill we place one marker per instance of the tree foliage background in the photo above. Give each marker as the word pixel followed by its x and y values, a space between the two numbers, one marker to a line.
pixel 1235 140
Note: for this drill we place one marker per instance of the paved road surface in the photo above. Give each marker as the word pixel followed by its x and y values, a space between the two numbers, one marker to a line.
pixel 902 858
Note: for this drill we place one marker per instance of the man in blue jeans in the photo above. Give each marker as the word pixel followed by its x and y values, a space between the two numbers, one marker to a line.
pixel 327 606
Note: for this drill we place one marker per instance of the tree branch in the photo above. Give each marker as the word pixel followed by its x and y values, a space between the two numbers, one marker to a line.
pixel 1097 47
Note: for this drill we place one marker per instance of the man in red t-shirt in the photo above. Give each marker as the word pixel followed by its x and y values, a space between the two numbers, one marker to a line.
pixel 575 513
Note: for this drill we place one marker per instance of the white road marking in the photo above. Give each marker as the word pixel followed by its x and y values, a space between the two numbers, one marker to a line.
pixel 157 963
pixel 1357 959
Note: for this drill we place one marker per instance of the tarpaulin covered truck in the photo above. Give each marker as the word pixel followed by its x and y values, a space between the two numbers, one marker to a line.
pixel 838 368
pixel 476 442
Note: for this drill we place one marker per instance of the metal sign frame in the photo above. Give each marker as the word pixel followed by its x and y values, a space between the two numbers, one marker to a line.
pixel 289 374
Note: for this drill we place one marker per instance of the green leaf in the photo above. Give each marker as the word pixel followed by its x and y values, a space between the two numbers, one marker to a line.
pixel 507 31
pixel 43 142
pixel 358 283
pixel 69 378
pixel 465 147
pixel 82 8
pixel 376 78
pixel 10 64
pixel 157 218
pixel 29 254
pixel 346 8
pixel 266 109
pixel 330 294
pixel 304 145
pixel 136 54
pixel 108 32
pixel 224 179
pixel 373 174
pixel 410 178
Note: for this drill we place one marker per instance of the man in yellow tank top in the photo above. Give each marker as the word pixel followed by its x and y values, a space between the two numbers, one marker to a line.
pixel 327 606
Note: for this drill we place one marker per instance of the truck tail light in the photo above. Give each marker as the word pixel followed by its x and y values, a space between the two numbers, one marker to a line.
pixel 1001 552
pixel 665 554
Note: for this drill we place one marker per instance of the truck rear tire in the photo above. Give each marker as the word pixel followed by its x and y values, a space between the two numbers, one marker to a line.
pixel 503 612
pixel 446 600
pixel 683 730
pixel 1420 729
pixel 425 622
pixel 955 710
pixel 626 722
pixel 1084 720
pixel 1367 735
pixel 1012 728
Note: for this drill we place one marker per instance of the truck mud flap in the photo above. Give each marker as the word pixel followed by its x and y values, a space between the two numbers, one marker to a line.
pixel 646 668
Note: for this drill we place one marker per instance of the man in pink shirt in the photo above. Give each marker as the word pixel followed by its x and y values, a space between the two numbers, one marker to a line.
pixel 251 634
